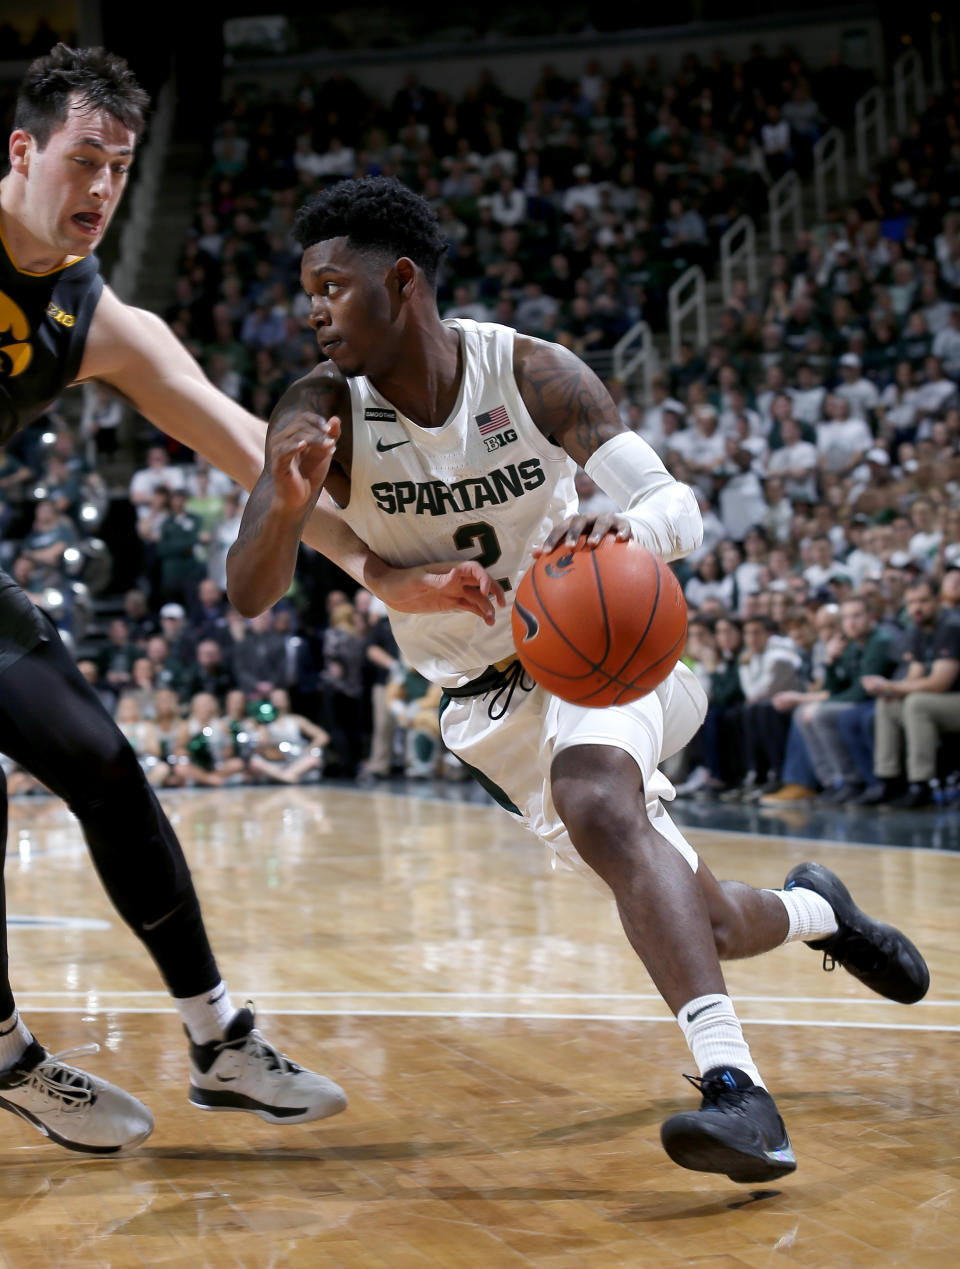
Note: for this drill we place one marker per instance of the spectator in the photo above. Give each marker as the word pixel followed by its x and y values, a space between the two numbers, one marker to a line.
pixel 45 544
pixel 858 650
pixel 719 652
pixel 204 749
pixel 178 565
pixel 159 473
pixel 144 740
pixel 859 393
pixel 415 705
pixel 290 746
pixel 258 658
pixel 208 674
pixel 913 711
pixel 382 661
pixel 342 683
pixel 115 659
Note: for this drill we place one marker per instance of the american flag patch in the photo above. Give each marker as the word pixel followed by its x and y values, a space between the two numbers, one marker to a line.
pixel 494 421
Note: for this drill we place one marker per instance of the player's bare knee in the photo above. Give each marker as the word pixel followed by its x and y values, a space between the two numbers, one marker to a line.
pixel 596 791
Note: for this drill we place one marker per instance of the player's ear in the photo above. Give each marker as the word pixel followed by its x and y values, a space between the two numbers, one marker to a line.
pixel 405 277
pixel 21 145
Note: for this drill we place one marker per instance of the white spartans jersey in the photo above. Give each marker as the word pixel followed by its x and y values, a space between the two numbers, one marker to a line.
pixel 487 485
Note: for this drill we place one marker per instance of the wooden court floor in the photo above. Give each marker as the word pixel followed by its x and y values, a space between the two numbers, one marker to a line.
pixel 507 1060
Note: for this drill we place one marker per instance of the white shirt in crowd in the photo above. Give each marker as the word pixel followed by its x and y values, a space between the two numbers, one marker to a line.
pixel 742 504
pixel 145 482
pixel 924 548
pixel 862 395
pixel 899 408
pixel 768 672
pixel 946 346
pixel 937 396
pixel 839 442
pixel 808 404
pixel 801 456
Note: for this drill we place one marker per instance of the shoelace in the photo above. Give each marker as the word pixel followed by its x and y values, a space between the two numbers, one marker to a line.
pixel 72 1088
pixel 510 679
pixel 258 1049
pixel 714 1090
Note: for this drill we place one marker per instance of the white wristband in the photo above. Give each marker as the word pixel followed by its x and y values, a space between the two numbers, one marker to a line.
pixel 663 513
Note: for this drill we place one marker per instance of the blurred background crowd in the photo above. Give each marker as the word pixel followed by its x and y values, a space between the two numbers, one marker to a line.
pixel 819 424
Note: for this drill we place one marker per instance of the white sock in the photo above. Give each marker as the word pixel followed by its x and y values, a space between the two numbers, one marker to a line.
pixel 15 1039
pixel 208 1015
pixel 713 1033
pixel 809 914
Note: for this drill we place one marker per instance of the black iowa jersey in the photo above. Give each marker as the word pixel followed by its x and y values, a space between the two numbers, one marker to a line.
pixel 44 320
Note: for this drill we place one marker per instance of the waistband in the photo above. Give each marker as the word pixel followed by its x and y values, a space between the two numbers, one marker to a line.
pixel 491 678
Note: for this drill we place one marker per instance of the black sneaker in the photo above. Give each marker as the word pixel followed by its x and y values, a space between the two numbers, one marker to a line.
pixel 879 955
pixel 737 1130
pixel 918 794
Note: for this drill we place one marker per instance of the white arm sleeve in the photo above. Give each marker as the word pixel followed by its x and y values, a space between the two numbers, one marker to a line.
pixel 664 514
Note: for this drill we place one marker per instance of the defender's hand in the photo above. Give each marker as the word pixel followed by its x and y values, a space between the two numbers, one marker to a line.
pixel 586 530
pixel 298 454
pixel 463 585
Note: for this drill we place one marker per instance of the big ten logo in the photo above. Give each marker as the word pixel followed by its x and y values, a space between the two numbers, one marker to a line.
pixel 499 440
pixel 15 351
pixel 58 315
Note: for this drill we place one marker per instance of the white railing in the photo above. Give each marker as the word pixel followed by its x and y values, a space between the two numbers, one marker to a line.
pixel 687 295
pixel 150 163
pixel 870 125
pixel 635 356
pixel 785 200
pixel 738 249
pixel 907 78
pixel 829 158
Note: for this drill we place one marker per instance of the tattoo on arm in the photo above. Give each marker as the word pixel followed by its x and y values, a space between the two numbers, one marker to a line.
pixel 566 400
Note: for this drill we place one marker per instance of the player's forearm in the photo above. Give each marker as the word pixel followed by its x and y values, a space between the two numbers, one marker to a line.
pixel 327 531
pixel 261 562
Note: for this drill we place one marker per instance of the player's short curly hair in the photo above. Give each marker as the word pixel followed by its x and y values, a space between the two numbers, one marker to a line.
pixel 96 78
pixel 375 213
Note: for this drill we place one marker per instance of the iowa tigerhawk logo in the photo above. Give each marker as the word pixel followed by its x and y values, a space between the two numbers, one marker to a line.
pixel 15 351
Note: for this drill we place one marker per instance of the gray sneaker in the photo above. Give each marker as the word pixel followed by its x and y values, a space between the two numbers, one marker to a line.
pixel 75 1109
pixel 245 1072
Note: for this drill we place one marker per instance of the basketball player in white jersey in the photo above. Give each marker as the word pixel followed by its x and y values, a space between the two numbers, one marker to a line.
pixel 453 434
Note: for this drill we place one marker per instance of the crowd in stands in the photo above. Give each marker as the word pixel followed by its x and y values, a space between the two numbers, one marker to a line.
pixel 820 426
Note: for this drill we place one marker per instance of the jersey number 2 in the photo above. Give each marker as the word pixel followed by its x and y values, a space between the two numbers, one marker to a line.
pixel 485 536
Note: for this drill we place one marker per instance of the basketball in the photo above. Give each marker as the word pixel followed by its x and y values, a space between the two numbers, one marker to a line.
pixel 599 627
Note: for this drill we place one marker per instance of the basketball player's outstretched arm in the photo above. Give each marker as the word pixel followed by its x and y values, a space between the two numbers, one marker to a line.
pixel 138 354
pixel 569 404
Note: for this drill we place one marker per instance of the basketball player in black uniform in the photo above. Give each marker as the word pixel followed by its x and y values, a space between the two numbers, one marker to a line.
pixel 78 117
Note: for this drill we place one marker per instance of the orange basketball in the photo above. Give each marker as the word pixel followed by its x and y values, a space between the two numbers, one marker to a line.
pixel 599 627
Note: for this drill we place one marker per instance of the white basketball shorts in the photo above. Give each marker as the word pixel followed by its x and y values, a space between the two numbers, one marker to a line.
pixel 513 754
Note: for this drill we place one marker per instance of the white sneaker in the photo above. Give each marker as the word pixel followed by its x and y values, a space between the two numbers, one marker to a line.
pixel 245 1072
pixel 697 780
pixel 73 1108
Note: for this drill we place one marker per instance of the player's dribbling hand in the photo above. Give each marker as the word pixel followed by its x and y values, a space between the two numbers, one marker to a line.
pixel 463 585
pixel 586 531
pixel 299 453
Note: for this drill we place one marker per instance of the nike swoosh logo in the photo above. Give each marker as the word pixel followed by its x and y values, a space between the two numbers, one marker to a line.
pixel 213 999
pixel 227 1079
pixel 703 1009
pixel 152 925
pixel 382 449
